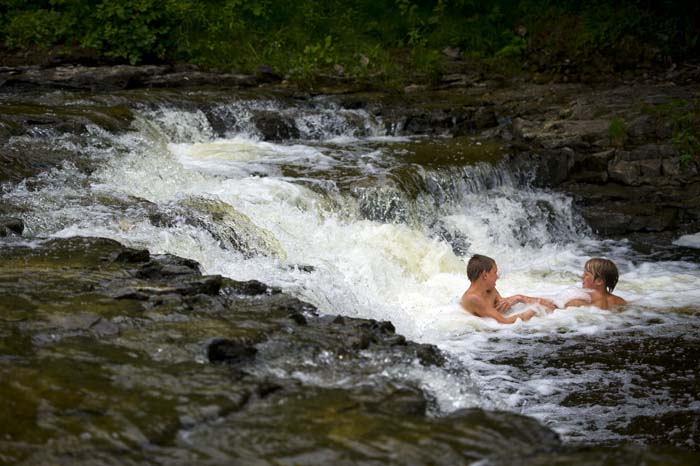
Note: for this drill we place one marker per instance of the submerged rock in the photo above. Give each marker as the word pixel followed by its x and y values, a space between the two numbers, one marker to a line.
pixel 11 226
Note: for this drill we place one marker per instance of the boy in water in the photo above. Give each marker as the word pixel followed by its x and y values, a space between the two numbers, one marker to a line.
pixel 482 298
pixel 599 279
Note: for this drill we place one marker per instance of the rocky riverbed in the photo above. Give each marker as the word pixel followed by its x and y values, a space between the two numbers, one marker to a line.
pixel 628 182
pixel 111 354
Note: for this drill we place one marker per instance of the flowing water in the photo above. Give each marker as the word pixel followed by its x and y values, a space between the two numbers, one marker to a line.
pixel 359 219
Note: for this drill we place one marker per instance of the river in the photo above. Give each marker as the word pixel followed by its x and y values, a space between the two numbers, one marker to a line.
pixel 360 219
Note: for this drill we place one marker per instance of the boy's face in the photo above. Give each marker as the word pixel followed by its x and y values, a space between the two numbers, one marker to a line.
pixel 491 276
pixel 588 280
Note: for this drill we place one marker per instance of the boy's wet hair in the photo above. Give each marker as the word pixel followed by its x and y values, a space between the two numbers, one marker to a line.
pixel 477 265
pixel 604 269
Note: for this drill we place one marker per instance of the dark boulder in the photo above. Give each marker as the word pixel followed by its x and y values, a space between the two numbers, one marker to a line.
pixel 275 127
pixel 11 226
pixel 232 351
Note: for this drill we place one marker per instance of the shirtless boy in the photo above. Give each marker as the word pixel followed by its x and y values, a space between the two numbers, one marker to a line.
pixel 482 298
pixel 599 279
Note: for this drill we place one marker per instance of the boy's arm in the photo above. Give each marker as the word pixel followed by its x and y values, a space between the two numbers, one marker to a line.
pixel 503 304
pixel 478 307
pixel 577 303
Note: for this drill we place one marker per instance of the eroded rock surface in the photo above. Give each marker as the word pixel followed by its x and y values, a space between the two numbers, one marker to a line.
pixel 118 350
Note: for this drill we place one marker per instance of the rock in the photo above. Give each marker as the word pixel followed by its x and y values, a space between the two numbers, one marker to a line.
pixel 549 168
pixel 485 117
pixel 248 288
pixel 399 402
pixel 596 162
pixel 119 77
pixel 130 293
pixel 83 322
pixel 626 172
pixel 360 342
pixel 266 74
pixel 452 52
pixel 642 164
pixel 430 355
pixel 11 226
pixel 132 256
pixel 83 77
pixel 208 285
pixel 231 351
pixel 166 266
pixel 620 218
pixel 298 318
pixel 275 127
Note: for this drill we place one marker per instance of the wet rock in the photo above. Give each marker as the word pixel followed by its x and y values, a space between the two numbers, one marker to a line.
pixel 267 388
pixel 232 228
pixel 104 327
pixel 167 266
pixel 196 78
pixel 266 74
pixel 275 127
pixel 120 77
pixel 393 401
pixel 360 342
pixel 620 218
pixel 428 123
pixel 80 323
pixel 484 117
pixel 545 168
pixel 208 285
pixel 132 256
pixel 298 318
pixel 129 293
pixel 11 226
pixel 430 355
pixel 83 77
pixel 595 162
pixel 247 288
pixel 339 320
pixel 231 351
pixel 641 165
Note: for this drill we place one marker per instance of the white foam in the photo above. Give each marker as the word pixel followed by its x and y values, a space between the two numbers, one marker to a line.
pixel 689 241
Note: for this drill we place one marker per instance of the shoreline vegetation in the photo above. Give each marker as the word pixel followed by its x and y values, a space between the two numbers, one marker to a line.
pixel 391 42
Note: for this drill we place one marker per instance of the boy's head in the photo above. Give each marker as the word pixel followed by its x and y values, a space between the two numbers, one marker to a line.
pixel 604 269
pixel 477 265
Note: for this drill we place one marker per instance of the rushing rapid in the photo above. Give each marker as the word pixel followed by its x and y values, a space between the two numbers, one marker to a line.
pixel 346 215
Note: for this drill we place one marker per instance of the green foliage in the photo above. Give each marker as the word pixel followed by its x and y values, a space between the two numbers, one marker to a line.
pixel 617 132
pixel 302 37
pixel 428 62
pixel 684 119
pixel 686 130
pixel 129 29
pixel 315 58
pixel 43 28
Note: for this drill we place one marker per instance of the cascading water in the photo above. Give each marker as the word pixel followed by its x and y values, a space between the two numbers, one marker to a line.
pixel 346 217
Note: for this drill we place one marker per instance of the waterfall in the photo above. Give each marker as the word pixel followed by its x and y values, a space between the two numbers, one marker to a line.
pixel 343 214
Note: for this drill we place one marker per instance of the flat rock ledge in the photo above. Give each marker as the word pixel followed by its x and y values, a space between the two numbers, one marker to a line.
pixel 119 77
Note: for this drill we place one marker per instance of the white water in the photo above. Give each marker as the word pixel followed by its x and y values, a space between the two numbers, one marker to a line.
pixel 328 201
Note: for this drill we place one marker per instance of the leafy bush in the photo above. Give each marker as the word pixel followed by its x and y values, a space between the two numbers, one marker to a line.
pixel 43 28
pixel 406 35
pixel 129 29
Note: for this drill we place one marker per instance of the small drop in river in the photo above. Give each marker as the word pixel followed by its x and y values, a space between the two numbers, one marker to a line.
pixel 212 277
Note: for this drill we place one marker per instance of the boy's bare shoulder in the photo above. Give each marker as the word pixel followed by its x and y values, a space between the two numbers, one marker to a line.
pixel 472 302
pixel 617 301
